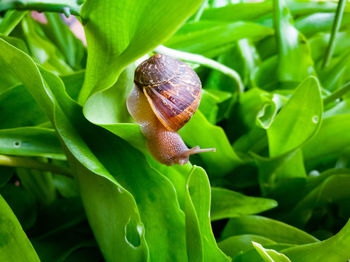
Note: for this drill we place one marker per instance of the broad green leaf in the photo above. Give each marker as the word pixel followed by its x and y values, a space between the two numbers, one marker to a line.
pixel 30 141
pixel 210 104
pixel 98 187
pixel 73 83
pixel 268 228
pixel 332 190
pixel 198 190
pixel 252 255
pixel 294 58
pixel 66 186
pixel 298 120
pixel 17 42
pixel 15 246
pixel 336 248
pixel 265 76
pixel 227 203
pixel 22 203
pixel 334 138
pixel 119 32
pixel 319 22
pixel 237 12
pixel 235 245
pixel 203 36
pixel 252 11
pixel 250 57
pixel 270 255
pixel 277 170
pixel 15 112
pixel 109 107
pixel 257 106
pixel 198 131
pixel 140 180
pixel 295 124
pixel 10 21
pixel 254 141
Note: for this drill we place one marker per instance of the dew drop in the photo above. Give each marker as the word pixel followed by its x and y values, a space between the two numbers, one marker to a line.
pixel 17 144
pixel 315 119
pixel 314 173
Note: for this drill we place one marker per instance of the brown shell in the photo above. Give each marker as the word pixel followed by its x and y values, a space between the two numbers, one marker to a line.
pixel 172 88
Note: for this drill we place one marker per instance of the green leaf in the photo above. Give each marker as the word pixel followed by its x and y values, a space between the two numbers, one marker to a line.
pixel 119 32
pixel 255 10
pixel 22 203
pixel 10 21
pixel 30 141
pixel 295 124
pixel 336 248
pixel 140 180
pixel 318 22
pixel 227 203
pixel 109 107
pixel 203 36
pixel 198 198
pixel 16 112
pixel 332 190
pixel 266 227
pixel 252 255
pixel 235 245
pixel 258 107
pixel 73 83
pixel 294 59
pixel 333 135
pixel 210 104
pixel 269 255
pixel 15 246
pixel 198 131
pixel 99 189
pixel 42 50
pixel 298 120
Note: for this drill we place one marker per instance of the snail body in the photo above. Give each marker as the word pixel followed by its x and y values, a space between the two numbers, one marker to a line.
pixel 166 94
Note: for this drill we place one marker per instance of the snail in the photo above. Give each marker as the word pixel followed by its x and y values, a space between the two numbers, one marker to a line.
pixel 166 94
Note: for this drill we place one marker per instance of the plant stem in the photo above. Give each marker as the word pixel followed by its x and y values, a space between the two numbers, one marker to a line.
pixel 60 6
pixel 33 164
pixel 203 61
pixel 337 94
pixel 335 28
pixel 199 13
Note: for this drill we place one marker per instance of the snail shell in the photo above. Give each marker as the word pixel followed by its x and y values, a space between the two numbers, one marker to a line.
pixel 172 89
pixel 167 92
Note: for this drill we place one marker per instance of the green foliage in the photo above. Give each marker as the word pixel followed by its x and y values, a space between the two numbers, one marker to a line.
pixel 75 171
pixel 15 246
